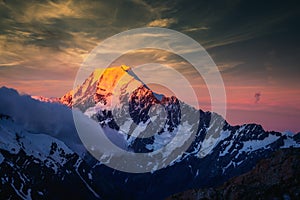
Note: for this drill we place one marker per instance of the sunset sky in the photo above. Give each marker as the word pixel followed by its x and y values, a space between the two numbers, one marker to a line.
pixel 255 45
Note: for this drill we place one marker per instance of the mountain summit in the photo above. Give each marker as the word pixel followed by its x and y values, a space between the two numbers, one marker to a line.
pixel 116 97
pixel 101 85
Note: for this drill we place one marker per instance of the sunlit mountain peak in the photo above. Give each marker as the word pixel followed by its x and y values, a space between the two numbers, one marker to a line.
pixel 100 86
pixel 125 67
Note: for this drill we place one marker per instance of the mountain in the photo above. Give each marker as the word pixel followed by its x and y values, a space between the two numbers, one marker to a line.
pixel 45 99
pixel 38 166
pixel 276 177
pixel 135 118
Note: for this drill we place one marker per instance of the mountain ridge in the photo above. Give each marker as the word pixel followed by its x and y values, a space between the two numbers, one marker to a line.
pixel 68 98
pixel 217 153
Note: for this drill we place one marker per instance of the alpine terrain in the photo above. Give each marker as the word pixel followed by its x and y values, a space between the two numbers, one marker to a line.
pixel 42 157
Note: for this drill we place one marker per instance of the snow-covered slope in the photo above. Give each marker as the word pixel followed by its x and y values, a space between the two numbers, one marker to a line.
pixel 14 138
pixel 31 164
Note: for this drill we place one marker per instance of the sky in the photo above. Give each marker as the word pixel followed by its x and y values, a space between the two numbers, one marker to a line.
pixel 255 45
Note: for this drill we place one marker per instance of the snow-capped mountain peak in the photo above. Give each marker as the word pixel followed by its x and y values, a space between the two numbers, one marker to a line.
pixel 117 98
pixel 125 108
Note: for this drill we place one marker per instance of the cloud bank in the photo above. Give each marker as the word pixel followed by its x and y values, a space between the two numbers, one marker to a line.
pixel 38 117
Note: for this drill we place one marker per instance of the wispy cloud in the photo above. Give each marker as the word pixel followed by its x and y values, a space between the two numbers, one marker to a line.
pixel 192 29
pixel 228 66
pixel 162 22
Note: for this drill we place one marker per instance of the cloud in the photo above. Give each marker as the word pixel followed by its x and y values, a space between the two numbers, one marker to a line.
pixel 56 120
pixel 228 66
pixel 191 29
pixel 46 12
pixel 162 22
pixel 38 117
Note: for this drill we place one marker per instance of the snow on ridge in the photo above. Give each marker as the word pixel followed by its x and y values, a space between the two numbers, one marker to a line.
pixel 254 145
pixel 41 146
pixel 288 133
pixel 290 142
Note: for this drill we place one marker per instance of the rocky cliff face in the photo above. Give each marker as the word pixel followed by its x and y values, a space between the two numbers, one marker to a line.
pixel 277 177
